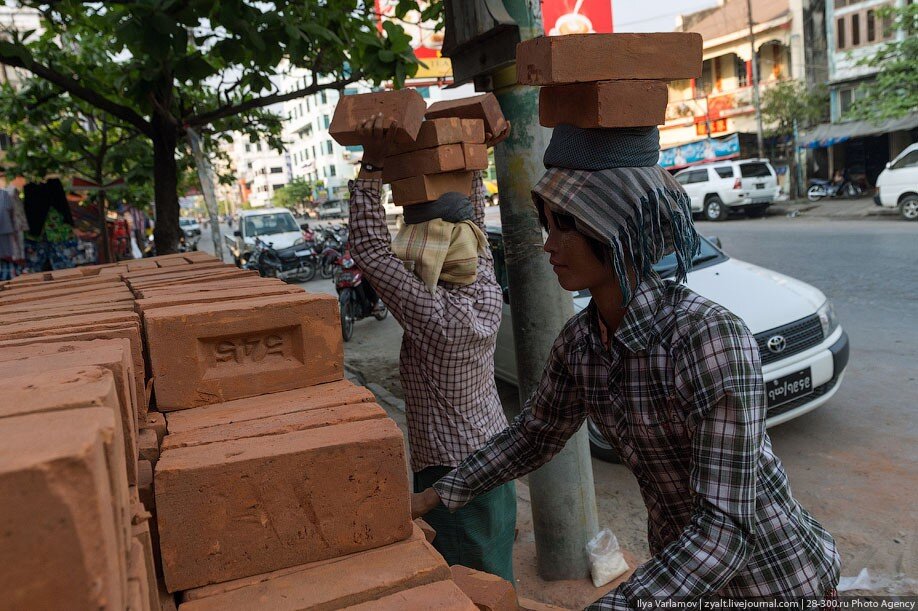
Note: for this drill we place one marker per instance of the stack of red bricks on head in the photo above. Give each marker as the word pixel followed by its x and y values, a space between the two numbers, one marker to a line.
pixel 437 149
pixel 606 80
pixel 257 478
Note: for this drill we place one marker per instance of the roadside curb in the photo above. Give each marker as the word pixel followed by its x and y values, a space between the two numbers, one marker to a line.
pixel 382 395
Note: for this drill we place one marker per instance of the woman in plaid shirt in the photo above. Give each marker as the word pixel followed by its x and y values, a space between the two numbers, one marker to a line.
pixel 672 380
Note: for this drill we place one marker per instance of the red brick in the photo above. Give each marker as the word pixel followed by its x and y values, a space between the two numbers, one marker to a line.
pixel 45 313
pixel 488 592
pixel 429 533
pixel 215 275
pixel 172 262
pixel 199 256
pixel 604 104
pixel 442 596
pixel 36 362
pixel 167 271
pixel 406 106
pixel 131 332
pixel 219 285
pixel 339 583
pixel 212 353
pixel 484 107
pixel 229 294
pixel 148 446
pixel 63 295
pixel 92 282
pixel 446 158
pixel 62 274
pixel 253 580
pixel 275 425
pixel 136 266
pixel 320 396
pixel 141 583
pixel 437 132
pixel 420 189
pixel 114 297
pixel 581 58
pixel 157 422
pixel 268 503
pixel 145 485
pixel 62 539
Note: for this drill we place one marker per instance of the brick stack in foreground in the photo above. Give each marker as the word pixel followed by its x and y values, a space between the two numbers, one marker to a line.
pixel 179 428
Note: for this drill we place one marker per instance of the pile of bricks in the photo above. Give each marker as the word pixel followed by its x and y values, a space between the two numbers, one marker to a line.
pixel 437 149
pixel 175 430
pixel 621 84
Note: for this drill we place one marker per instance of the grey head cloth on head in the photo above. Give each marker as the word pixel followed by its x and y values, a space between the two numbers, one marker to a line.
pixel 451 207
pixel 610 182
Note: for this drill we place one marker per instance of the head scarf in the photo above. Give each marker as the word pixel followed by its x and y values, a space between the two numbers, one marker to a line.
pixel 440 242
pixel 640 211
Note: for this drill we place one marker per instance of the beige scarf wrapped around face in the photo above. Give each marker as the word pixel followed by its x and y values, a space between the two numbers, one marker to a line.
pixel 439 250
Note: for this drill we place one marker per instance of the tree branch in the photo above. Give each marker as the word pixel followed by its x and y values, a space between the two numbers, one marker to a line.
pixel 254 104
pixel 75 89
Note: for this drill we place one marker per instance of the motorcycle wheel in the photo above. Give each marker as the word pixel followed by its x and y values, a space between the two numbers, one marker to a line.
pixel 381 315
pixel 327 270
pixel 308 272
pixel 346 305
pixel 816 193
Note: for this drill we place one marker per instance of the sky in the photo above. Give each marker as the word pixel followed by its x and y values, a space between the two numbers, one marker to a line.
pixel 652 15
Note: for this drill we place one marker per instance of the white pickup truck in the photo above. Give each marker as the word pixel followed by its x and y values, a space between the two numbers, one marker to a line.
pixel 272 225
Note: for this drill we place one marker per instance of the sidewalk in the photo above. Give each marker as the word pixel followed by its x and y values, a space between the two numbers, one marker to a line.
pixel 833 208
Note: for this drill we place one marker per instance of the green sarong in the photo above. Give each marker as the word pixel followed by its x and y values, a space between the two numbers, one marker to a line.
pixel 479 535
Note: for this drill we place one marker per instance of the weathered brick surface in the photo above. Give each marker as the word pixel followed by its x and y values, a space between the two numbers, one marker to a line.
pixel 112 355
pixel 140 529
pixel 488 592
pixel 68 323
pixel 406 106
pixel 446 158
pixel 62 274
pixel 441 595
pixel 77 285
pixel 136 266
pixel 130 332
pixel 580 58
pixel 119 296
pixel 199 256
pixel 211 353
pixel 420 189
pixel 62 538
pixel 166 272
pixel 253 580
pixel 320 396
pixel 275 425
pixel 230 294
pixel 272 502
pixel 145 485
pixel 337 584
pixel 140 584
pixel 148 446
pixel 604 104
pixel 429 533
pixel 172 262
pixel 484 107
pixel 44 313
pixel 219 285
pixel 96 291
pixel 198 277
pixel 157 422
pixel 437 132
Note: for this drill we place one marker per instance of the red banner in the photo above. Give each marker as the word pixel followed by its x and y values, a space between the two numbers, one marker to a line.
pixel 576 16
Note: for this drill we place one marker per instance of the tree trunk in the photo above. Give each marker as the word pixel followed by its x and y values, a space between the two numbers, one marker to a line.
pixel 165 185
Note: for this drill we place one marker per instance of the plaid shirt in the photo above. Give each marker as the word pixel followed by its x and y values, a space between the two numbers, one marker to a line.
pixel 678 393
pixel 447 356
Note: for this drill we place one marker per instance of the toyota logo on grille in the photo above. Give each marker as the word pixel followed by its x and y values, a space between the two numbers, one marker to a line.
pixel 777 344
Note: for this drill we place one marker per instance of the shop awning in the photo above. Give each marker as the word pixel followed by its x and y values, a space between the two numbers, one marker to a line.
pixel 828 134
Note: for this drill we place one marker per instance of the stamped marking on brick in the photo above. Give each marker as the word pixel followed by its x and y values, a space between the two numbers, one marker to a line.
pixel 224 355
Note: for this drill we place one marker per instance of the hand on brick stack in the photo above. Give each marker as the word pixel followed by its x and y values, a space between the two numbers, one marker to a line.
pixel 377 135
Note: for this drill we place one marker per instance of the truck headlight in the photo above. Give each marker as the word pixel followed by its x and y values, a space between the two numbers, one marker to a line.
pixel 827 318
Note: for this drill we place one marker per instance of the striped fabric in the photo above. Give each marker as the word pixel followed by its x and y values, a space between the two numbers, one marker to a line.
pixel 641 213
pixel 439 250
pixel 679 395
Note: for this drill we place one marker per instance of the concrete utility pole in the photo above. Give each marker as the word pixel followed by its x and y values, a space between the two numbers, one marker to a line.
pixel 756 102
pixel 563 495
pixel 205 175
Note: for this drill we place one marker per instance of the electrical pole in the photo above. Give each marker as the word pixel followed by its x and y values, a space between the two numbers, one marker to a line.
pixel 205 175
pixel 756 103
pixel 562 492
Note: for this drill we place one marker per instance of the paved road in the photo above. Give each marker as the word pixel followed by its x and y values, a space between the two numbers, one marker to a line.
pixel 853 462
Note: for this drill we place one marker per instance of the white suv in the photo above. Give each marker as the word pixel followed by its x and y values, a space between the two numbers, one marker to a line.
pixel 897 185
pixel 716 188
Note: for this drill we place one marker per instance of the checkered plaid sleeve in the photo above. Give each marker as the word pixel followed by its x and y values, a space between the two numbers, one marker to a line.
pixel 553 413
pixel 718 371
pixel 410 302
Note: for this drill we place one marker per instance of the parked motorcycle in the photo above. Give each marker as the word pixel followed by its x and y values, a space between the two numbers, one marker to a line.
pixel 356 299
pixel 293 264
pixel 333 241
pixel 820 188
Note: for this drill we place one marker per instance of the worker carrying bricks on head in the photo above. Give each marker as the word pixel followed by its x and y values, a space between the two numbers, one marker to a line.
pixel 671 380
pixel 438 281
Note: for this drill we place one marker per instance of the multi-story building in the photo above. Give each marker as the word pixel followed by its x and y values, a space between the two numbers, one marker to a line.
pixel 259 169
pixel 713 117
pixel 856 30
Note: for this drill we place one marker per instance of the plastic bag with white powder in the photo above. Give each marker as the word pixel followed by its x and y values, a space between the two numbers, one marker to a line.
pixel 606 559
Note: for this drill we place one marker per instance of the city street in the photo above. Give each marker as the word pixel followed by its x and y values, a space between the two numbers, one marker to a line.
pixel 849 461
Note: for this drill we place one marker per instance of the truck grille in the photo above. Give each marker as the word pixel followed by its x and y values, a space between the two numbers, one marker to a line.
pixel 798 336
